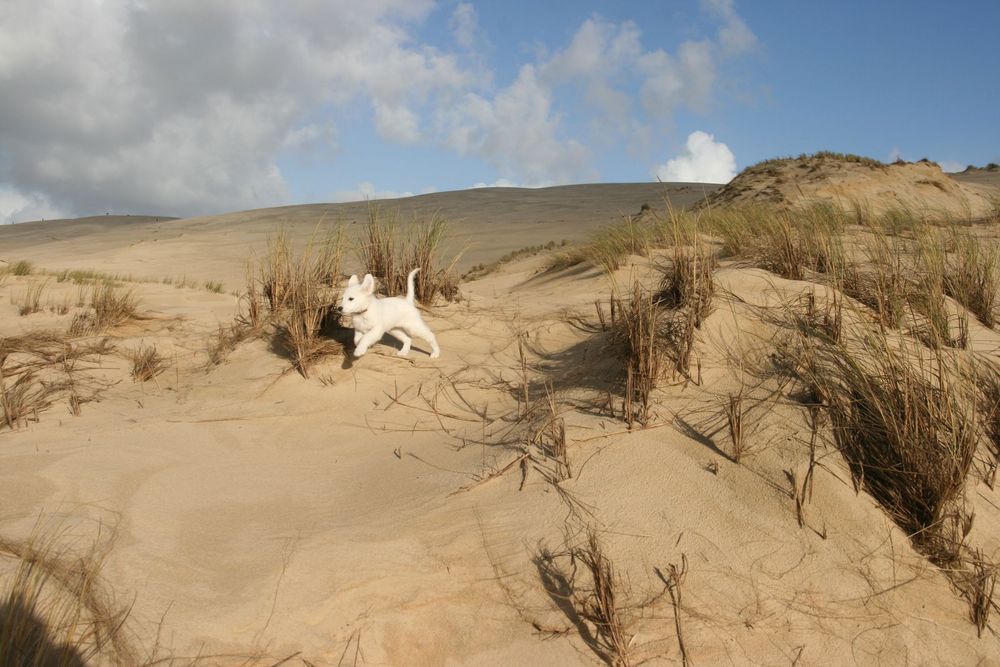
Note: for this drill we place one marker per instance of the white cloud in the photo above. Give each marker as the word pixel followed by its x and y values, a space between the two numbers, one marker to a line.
pixel 703 161
pixel 499 183
pixel 517 132
pixel 366 191
pixel 464 25
pixel 734 36
pixel 20 207
pixel 951 166
pixel 183 107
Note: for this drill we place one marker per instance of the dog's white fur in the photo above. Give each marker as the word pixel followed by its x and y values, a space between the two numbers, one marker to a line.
pixel 372 317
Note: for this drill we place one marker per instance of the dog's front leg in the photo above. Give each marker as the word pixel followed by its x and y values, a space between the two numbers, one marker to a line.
pixel 369 338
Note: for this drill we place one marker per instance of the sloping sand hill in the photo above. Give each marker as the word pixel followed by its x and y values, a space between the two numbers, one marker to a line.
pixel 847 181
pixel 396 511
pixel 487 224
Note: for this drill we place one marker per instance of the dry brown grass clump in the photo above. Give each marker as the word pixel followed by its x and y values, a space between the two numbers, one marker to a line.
pixel 906 423
pixel 147 363
pixel 111 306
pixel 882 284
pixel 29 301
pixel 291 293
pixel 389 255
pixel 40 368
pixel 54 612
pixel 687 281
pixel 589 595
pixel 972 273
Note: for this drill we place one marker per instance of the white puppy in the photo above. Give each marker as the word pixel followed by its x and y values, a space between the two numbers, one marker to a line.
pixel 372 317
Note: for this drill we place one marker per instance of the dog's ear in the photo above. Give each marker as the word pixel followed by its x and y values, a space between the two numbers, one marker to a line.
pixel 368 286
pixel 353 281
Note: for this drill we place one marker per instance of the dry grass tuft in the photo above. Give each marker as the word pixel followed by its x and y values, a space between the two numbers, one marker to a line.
pixel 972 273
pixel 112 306
pixel 54 612
pixel 30 301
pixel 591 601
pixel 146 363
pixel 883 285
pixel 293 294
pixel 40 368
pixel 636 337
pixel 687 281
pixel 905 422
pixel 21 268
pixel 389 255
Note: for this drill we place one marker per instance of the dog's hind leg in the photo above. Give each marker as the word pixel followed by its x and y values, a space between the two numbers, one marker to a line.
pixel 421 330
pixel 401 336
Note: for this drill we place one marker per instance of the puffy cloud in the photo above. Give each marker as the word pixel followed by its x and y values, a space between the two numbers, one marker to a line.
pixel 20 207
pixel 734 36
pixel 183 107
pixel 517 133
pixel 704 161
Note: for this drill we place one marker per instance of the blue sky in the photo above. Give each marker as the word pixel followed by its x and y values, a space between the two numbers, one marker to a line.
pixel 190 106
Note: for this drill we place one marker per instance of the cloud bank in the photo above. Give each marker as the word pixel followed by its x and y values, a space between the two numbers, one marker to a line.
pixel 187 107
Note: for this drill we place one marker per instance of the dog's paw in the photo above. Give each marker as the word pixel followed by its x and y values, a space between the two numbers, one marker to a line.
pixel 359 352
pixel 402 353
pixel 435 354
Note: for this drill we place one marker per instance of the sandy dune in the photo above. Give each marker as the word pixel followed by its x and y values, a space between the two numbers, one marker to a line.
pixel 354 514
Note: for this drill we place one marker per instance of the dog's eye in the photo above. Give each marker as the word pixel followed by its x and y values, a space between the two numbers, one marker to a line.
pixel 350 298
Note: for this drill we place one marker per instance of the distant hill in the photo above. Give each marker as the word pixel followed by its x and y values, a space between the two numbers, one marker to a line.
pixel 846 179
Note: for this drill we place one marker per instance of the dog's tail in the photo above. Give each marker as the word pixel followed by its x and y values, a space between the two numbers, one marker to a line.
pixel 409 286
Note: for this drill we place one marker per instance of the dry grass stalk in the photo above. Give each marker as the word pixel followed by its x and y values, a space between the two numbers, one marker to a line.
pixel 306 307
pixel 551 437
pixel 21 268
pixel 981 588
pixel 734 411
pixel 674 581
pixel 525 396
pixel 146 363
pixel 798 494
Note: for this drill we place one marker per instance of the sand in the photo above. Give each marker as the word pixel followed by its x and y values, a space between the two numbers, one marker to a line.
pixel 352 518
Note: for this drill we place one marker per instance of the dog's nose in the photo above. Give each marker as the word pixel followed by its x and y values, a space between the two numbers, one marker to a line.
pixel 339 309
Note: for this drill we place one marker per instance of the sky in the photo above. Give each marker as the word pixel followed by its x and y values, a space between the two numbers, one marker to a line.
pixel 191 107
